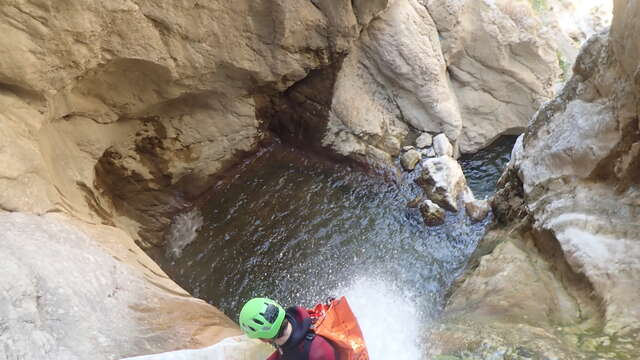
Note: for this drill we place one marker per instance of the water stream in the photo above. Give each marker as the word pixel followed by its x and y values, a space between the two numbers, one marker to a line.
pixel 300 229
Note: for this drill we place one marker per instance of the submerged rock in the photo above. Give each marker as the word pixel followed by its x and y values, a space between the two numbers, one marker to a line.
pixel 432 214
pixel 410 159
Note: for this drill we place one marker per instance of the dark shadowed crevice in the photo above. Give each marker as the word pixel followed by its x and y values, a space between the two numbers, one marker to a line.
pixel 299 116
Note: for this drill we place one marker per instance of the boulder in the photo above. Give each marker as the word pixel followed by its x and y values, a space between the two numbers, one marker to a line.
pixel 477 210
pixel 424 140
pixel 442 146
pixel 443 181
pixel 432 214
pixel 410 159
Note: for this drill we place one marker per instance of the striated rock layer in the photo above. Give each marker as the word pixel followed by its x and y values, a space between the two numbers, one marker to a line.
pixel 564 282
pixel 472 70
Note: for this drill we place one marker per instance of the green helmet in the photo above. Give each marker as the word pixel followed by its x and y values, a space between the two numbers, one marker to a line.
pixel 261 318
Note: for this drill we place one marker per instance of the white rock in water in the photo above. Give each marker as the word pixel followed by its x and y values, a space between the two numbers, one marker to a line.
pixel 476 209
pixel 432 214
pixel 428 152
pixel 443 181
pixel 424 140
pixel 407 148
pixel 410 159
pixel 442 146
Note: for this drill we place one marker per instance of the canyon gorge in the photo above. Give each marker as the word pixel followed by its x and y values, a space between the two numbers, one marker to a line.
pixel 118 115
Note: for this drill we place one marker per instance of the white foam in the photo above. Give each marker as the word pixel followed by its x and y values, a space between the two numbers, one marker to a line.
pixel 391 324
pixel 184 229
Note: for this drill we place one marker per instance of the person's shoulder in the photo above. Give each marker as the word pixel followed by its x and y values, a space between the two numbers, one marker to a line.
pixel 298 312
pixel 321 349
pixel 274 356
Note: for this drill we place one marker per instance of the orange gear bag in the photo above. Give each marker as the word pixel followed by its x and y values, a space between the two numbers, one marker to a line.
pixel 335 322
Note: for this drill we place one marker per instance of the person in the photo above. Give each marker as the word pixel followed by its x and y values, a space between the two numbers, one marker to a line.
pixel 289 331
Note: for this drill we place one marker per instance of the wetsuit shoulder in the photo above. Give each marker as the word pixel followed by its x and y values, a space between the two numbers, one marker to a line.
pixel 321 349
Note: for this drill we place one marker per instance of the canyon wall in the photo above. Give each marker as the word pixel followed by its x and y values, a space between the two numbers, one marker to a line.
pixel 561 278
pixel 114 115
pixel 117 114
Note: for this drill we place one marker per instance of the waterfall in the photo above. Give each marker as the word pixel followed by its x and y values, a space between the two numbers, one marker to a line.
pixel 390 322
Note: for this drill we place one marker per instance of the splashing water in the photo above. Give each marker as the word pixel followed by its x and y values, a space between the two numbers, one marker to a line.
pixel 389 321
pixel 299 230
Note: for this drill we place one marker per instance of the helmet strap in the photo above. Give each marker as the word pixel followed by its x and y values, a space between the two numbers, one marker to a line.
pixel 283 327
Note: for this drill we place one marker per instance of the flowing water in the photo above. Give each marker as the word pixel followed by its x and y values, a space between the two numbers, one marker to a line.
pixel 301 229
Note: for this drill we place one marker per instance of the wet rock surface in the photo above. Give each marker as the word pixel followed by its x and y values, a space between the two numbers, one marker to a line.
pixel 432 214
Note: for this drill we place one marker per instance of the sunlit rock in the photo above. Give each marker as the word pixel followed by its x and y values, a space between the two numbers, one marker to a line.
pixel 442 146
pixel 424 140
pixel 476 209
pixel 410 159
pixel 443 181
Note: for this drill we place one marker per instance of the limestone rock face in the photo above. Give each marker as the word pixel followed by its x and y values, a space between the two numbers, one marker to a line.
pixel 575 219
pixel 64 297
pixel 580 167
pixel 502 62
pixel 394 78
pixel 155 105
pixel 472 70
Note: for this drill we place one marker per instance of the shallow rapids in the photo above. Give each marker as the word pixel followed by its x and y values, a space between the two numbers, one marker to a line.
pixel 300 229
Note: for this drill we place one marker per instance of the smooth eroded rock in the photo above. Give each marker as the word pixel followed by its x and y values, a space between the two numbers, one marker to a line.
pixel 442 146
pixel 424 140
pixel 410 159
pixel 64 296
